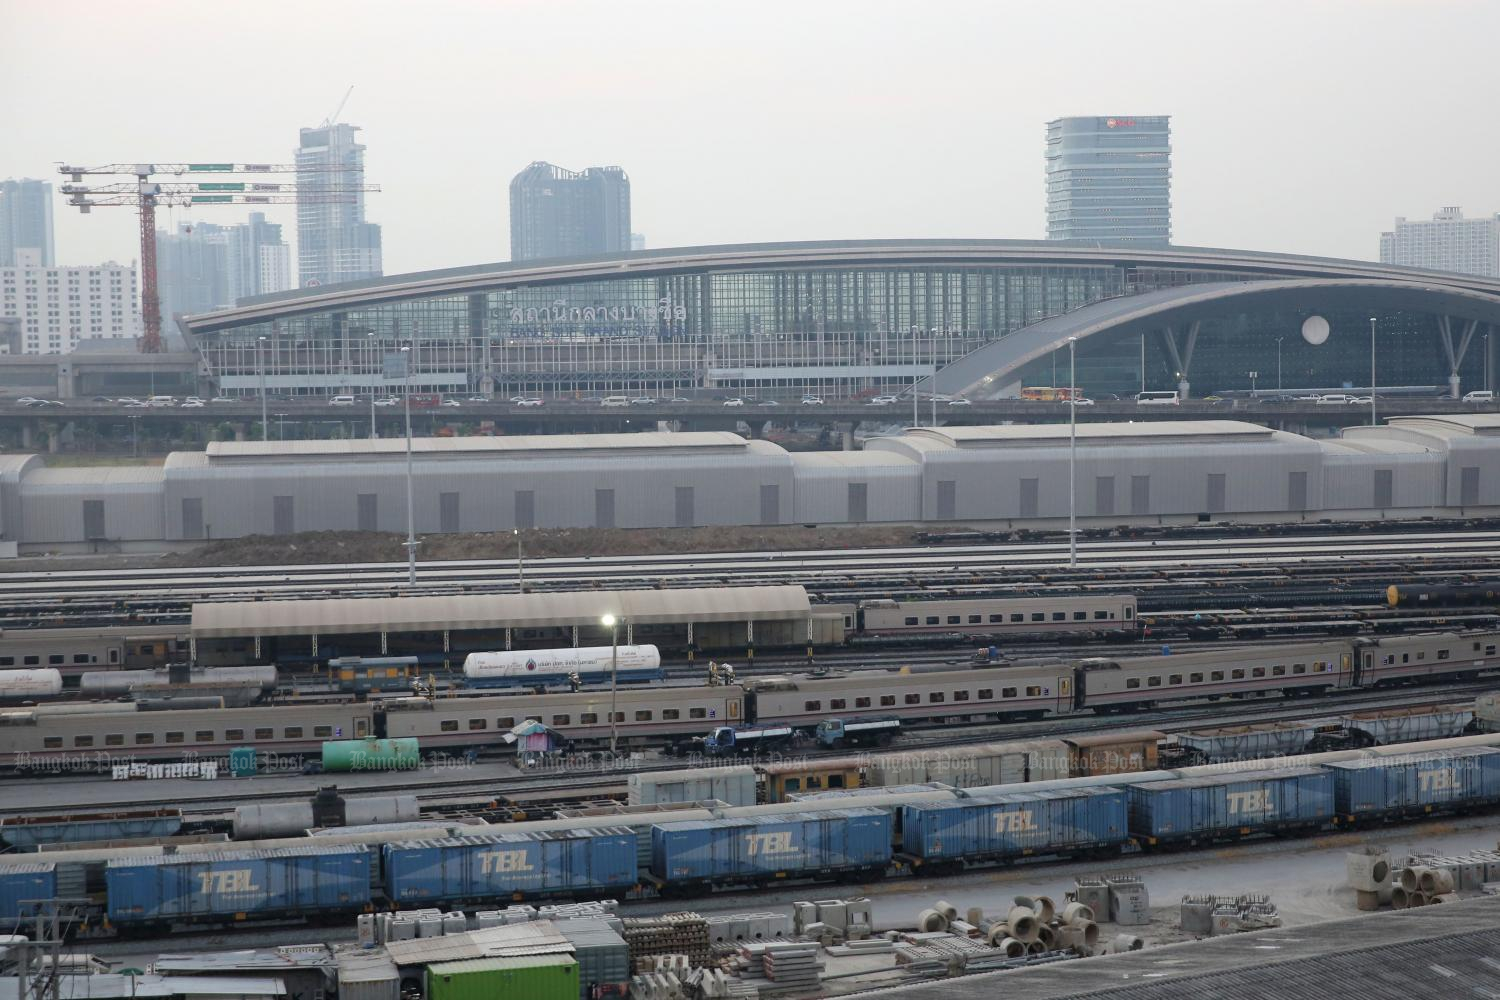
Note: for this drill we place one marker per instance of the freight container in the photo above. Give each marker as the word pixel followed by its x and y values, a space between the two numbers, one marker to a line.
pixel 511 865
pixel 733 785
pixel 234 885
pixel 1230 803
pixel 754 849
pixel 371 754
pixel 1016 825
pixel 242 761
pixel 966 767
pixel 602 955
pixel 1115 753
pixel 1417 782
pixel 19 884
pixel 36 831
pixel 524 977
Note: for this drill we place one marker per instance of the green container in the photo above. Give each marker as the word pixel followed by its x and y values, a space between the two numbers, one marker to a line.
pixel 371 754
pixel 242 761
pixel 525 977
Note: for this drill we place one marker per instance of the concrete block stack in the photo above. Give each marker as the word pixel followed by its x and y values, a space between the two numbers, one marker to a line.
pixel 671 933
pixel 833 921
pixel 715 983
pixel 1208 915
pixel 731 929
pixel 792 964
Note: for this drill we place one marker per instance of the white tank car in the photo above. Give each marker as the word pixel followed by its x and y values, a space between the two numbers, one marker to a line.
pixel 26 685
pixel 541 666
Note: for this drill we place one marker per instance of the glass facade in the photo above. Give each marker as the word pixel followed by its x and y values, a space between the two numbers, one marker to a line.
pixel 777 331
pixel 1109 179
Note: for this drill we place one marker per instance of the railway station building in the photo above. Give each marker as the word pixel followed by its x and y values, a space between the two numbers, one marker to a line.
pixel 844 318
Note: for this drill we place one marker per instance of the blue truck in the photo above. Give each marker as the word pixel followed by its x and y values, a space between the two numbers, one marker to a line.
pixel 728 741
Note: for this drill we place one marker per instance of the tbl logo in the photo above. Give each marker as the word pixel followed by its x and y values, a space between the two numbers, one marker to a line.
pixel 765 844
pixel 1014 822
pixel 1443 779
pixel 497 862
pixel 233 880
pixel 1258 802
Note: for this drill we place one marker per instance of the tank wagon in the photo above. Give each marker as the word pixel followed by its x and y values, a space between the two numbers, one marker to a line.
pixel 541 667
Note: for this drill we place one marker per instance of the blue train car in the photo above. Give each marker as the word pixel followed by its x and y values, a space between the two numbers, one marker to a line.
pixel 996 827
pixel 1234 803
pixel 787 845
pixel 237 885
pixel 374 673
pixel 1416 782
pixel 20 884
pixel 511 866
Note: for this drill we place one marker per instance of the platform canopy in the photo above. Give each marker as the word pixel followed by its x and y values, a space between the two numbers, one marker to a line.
pixel 342 616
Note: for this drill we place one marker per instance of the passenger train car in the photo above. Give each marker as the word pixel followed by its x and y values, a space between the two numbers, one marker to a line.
pixel 655 714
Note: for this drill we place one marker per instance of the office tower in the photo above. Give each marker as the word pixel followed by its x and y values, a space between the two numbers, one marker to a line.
pixel 334 242
pixel 1109 179
pixel 637 241
pixel 192 270
pixel 559 213
pixel 26 220
pixel 1448 242
pixel 58 306
pixel 258 261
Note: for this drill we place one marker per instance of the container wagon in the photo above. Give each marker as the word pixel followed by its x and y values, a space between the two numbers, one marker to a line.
pixel 759 850
pixel 955 835
pixel 20 886
pixel 511 866
pixel 1221 806
pixel 292 881
pixel 1415 784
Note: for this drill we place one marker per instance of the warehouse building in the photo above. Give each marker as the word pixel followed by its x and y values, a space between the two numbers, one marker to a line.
pixel 1140 473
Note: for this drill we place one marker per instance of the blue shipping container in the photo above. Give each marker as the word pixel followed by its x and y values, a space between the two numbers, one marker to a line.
pixel 506 865
pixel 789 843
pixel 20 883
pixel 1021 823
pixel 285 881
pixel 1416 781
pixel 1232 802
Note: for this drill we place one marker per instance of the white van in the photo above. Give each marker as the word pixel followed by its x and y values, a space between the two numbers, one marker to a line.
pixel 341 401
pixel 1335 399
pixel 615 401
pixel 161 401
pixel 1479 396
pixel 1157 398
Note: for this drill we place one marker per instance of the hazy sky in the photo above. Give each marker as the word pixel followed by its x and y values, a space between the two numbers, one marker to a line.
pixel 1298 126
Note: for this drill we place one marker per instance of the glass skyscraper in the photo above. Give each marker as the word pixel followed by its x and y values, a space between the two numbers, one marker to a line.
pixel 1109 179
pixel 334 242
pixel 557 213
pixel 25 221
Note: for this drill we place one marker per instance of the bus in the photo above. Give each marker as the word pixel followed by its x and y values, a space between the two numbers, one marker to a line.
pixel 1051 394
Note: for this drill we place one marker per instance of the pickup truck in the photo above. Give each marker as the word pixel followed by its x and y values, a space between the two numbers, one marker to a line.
pixel 727 741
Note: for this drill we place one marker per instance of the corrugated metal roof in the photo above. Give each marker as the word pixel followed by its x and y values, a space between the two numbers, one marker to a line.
pixel 780 817
pixel 99 475
pixel 321 850
pixel 533 446
pixel 1112 433
pixel 1230 774
pixel 366 967
pixel 506 962
pixel 304 957
pixel 1415 757
pixel 474 611
pixel 29 869
pixel 111 985
pixel 536 937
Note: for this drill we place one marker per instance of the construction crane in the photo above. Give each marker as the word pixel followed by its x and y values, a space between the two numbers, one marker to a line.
pixel 145 195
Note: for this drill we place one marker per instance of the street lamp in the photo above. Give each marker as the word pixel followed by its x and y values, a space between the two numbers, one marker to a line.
pixel 613 624
pixel 1072 453
pixel 520 562
pixel 1372 371
pixel 1278 366
pixel 411 513
pixel 260 366
pixel 1253 377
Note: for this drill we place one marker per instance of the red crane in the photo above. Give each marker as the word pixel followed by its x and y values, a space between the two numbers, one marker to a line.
pixel 145 195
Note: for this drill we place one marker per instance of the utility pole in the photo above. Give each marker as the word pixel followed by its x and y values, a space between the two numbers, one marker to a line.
pixel 145 195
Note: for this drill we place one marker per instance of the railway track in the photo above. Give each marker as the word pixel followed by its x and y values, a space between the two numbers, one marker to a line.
pixel 457 794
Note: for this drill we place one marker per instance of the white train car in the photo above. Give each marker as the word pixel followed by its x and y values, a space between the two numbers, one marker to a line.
pixel 30 685
pixel 592 664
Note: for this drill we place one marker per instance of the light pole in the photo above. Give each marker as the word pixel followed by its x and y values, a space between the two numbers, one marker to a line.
pixel 135 426
pixel 260 366
pixel 1372 371
pixel 411 513
pixel 613 624
pixel 520 562
pixel 1143 362
pixel 1278 366
pixel 369 339
pixel 1253 377
pixel 1072 453
pixel 916 420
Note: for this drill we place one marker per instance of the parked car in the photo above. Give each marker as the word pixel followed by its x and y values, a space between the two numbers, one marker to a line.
pixel 192 404
pixel 450 402
pixel 1335 399
pixel 479 399
pixel 812 401
pixel 736 401
pixel 960 401
pixel 679 399
pixel 162 401
pixel 1361 400
pixel 1479 396
pixel 643 401
pixel 1083 401
pixel 128 401
pixel 530 401
pixel 341 401
pixel 387 401
pixel 882 401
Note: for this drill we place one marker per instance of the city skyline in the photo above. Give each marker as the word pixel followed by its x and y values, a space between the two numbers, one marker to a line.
pixel 1326 178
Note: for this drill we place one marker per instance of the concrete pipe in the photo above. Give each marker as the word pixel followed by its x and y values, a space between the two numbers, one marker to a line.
pixel 1400 898
pixel 1384 893
pixel 1126 942
pixel 1047 936
pixel 931 920
pixel 1025 901
pixel 947 909
pixel 1045 910
pixel 1011 947
pixel 975 915
pixel 1022 923
pixel 1433 881
pixel 1446 897
pixel 1410 879
pixel 1075 912
pixel 1090 932
pixel 1036 948
pixel 1417 898
pixel 1364 900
